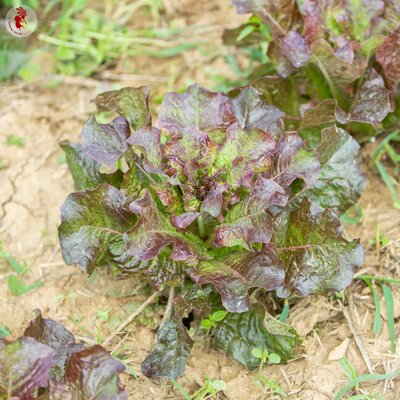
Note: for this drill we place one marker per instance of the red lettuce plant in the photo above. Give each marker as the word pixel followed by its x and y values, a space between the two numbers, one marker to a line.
pixel 334 61
pixel 46 363
pixel 218 193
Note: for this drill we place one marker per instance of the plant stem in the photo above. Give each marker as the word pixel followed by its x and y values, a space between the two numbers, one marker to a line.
pixel 170 305
pixel 261 365
pixel 200 223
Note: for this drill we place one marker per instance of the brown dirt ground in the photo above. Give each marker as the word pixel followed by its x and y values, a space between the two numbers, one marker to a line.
pixel 33 185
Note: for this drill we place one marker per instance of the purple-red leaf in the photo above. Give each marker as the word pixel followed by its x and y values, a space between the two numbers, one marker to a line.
pixel 182 221
pixel 105 143
pixel 233 275
pixel 242 153
pixel 317 258
pixel 132 103
pixel 56 336
pixel 388 55
pixel 295 48
pixel 169 356
pixel 341 181
pixel 148 141
pixel 153 232
pixel 27 365
pixel 346 53
pixel 249 221
pixel 371 103
pixel 91 373
pixel 278 13
pixel 252 113
pixel 84 170
pixel 322 113
pixel 196 109
pixel 340 73
pixel 192 146
pixel 90 221
pixel 212 203
pixel 313 20
pixel 24 367
pixel 293 160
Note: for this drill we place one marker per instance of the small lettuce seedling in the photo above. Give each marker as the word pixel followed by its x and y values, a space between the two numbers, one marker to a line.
pixel 218 195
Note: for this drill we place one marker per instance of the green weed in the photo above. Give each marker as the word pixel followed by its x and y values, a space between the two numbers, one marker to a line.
pixel 374 282
pixel 387 149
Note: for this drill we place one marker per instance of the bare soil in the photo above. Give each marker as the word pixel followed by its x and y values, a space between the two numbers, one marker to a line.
pixel 34 183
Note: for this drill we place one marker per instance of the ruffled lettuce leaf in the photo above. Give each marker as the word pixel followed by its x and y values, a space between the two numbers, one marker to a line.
pixel 295 48
pixel 341 181
pixel 105 143
pixel 325 61
pixel 338 72
pixel 161 270
pixel 57 337
pixel 371 103
pixel 252 113
pixel 248 221
pixel 90 374
pixel 243 153
pixel 153 232
pixel 317 258
pixel 171 352
pixel 292 160
pixel 196 109
pixel 129 102
pixel 149 141
pixel 235 273
pixel 24 367
pixel 313 20
pixel 90 221
pixel 85 170
pixel 277 13
pixel 320 114
pixel 47 358
pixel 388 55
pixel 239 334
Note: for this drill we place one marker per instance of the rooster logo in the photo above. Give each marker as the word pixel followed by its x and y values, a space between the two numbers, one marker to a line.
pixel 20 18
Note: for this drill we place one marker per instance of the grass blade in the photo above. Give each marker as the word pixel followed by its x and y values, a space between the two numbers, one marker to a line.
pixel 285 312
pixel 348 368
pixel 16 266
pixel 363 378
pixel 4 331
pixel 388 295
pixel 181 389
pixel 18 288
pixel 379 149
pixel 387 179
pixel 377 318
pixel 378 279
